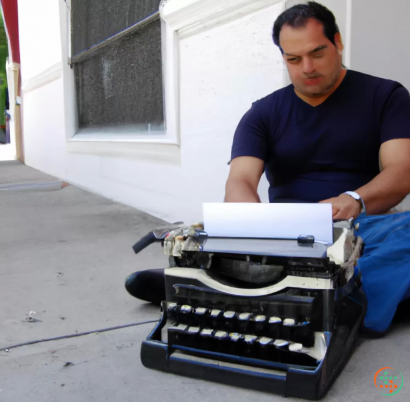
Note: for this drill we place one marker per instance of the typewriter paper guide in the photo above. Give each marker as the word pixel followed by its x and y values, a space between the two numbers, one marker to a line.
pixel 269 221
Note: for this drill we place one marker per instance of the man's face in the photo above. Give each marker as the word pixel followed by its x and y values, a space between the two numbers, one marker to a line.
pixel 314 63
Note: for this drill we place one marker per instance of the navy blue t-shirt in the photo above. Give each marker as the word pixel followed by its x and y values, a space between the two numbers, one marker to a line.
pixel 315 153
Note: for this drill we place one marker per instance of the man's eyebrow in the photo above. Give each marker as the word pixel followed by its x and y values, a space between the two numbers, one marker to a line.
pixel 313 51
pixel 318 49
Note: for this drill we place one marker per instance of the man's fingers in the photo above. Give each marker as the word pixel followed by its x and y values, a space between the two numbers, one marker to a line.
pixel 339 215
pixel 343 214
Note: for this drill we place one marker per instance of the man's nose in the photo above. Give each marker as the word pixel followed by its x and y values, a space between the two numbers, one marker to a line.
pixel 308 65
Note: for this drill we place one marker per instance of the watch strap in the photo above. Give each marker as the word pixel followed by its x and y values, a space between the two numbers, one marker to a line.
pixel 357 197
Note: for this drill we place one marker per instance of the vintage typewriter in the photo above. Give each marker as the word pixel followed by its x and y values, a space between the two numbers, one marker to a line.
pixel 279 315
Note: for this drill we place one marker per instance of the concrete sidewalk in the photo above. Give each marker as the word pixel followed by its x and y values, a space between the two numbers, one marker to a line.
pixel 65 254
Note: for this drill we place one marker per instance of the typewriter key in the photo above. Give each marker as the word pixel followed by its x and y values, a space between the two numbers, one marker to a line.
pixel 191 337
pixel 288 328
pixel 295 347
pixel 184 314
pixel 265 348
pixel 172 313
pixel 207 332
pixel 289 322
pixel 171 308
pixel 200 316
pixel 260 321
pixel 229 317
pixel 250 339
pixel 177 335
pixel 208 342
pixel 185 309
pixel 216 318
pixel 193 330
pixel 243 319
pixel 274 325
pixel 296 354
pixel 282 350
pixel 236 343
pixel 223 338
pixel 280 343
pixel 250 345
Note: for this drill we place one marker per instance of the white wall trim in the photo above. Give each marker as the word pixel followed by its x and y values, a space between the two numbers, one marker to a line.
pixel 81 140
pixel 51 74
pixel 190 17
pixel 156 153
pixel 170 76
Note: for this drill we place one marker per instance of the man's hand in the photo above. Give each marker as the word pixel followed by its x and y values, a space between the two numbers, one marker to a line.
pixel 344 207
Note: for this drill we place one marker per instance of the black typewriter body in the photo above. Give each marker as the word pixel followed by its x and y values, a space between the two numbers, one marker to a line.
pixel 283 324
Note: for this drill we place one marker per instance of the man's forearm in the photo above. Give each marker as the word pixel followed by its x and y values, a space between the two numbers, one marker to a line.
pixel 386 190
pixel 240 191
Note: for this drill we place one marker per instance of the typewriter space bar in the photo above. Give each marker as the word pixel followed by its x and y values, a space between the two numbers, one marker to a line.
pixel 202 360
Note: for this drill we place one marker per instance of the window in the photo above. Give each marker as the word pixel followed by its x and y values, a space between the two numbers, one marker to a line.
pixel 116 54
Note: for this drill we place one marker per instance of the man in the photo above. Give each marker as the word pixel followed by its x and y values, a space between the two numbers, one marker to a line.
pixel 324 139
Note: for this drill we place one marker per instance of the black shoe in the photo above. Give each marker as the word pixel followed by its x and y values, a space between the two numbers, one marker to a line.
pixel 147 285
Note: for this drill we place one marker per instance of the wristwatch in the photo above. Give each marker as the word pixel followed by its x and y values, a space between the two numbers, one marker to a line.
pixel 357 198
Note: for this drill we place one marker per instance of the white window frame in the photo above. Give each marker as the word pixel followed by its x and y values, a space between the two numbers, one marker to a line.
pixel 189 17
pixel 179 19
pixel 170 97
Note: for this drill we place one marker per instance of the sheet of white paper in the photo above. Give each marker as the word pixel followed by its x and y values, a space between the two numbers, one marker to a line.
pixel 269 221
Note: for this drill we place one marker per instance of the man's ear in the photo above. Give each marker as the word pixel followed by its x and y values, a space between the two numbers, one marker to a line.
pixel 339 42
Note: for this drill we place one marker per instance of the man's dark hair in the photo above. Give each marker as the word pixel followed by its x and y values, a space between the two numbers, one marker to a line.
pixel 298 16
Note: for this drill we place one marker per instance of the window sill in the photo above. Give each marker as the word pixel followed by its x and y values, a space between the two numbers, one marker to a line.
pixel 100 136
pixel 141 149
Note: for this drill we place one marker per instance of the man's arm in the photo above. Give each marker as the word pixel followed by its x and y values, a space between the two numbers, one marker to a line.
pixel 243 179
pixel 392 185
pixel 386 190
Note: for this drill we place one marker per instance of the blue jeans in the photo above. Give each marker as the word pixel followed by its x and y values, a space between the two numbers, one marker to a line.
pixel 385 266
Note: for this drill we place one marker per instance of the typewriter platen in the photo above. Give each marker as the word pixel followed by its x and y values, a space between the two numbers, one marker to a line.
pixel 276 315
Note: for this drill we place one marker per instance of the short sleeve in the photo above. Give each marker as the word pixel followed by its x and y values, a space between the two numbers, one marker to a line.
pixel 251 135
pixel 395 122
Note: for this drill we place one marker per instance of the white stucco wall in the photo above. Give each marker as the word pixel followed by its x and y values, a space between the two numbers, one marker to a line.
pixel 40 46
pixel 222 70
pixel 381 39
pixel 43 107
pixel 379 47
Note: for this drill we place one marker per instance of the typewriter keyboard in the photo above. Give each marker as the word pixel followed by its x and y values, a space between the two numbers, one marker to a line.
pixel 246 334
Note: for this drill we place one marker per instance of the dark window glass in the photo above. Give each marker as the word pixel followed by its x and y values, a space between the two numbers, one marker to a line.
pixel 93 21
pixel 119 87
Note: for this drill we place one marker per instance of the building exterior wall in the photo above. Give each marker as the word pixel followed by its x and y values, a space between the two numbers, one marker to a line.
pixel 42 86
pixel 214 70
pixel 222 70
pixel 380 46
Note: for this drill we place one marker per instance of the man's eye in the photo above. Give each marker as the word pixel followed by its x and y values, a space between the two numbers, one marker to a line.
pixel 318 55
pixel 292 59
